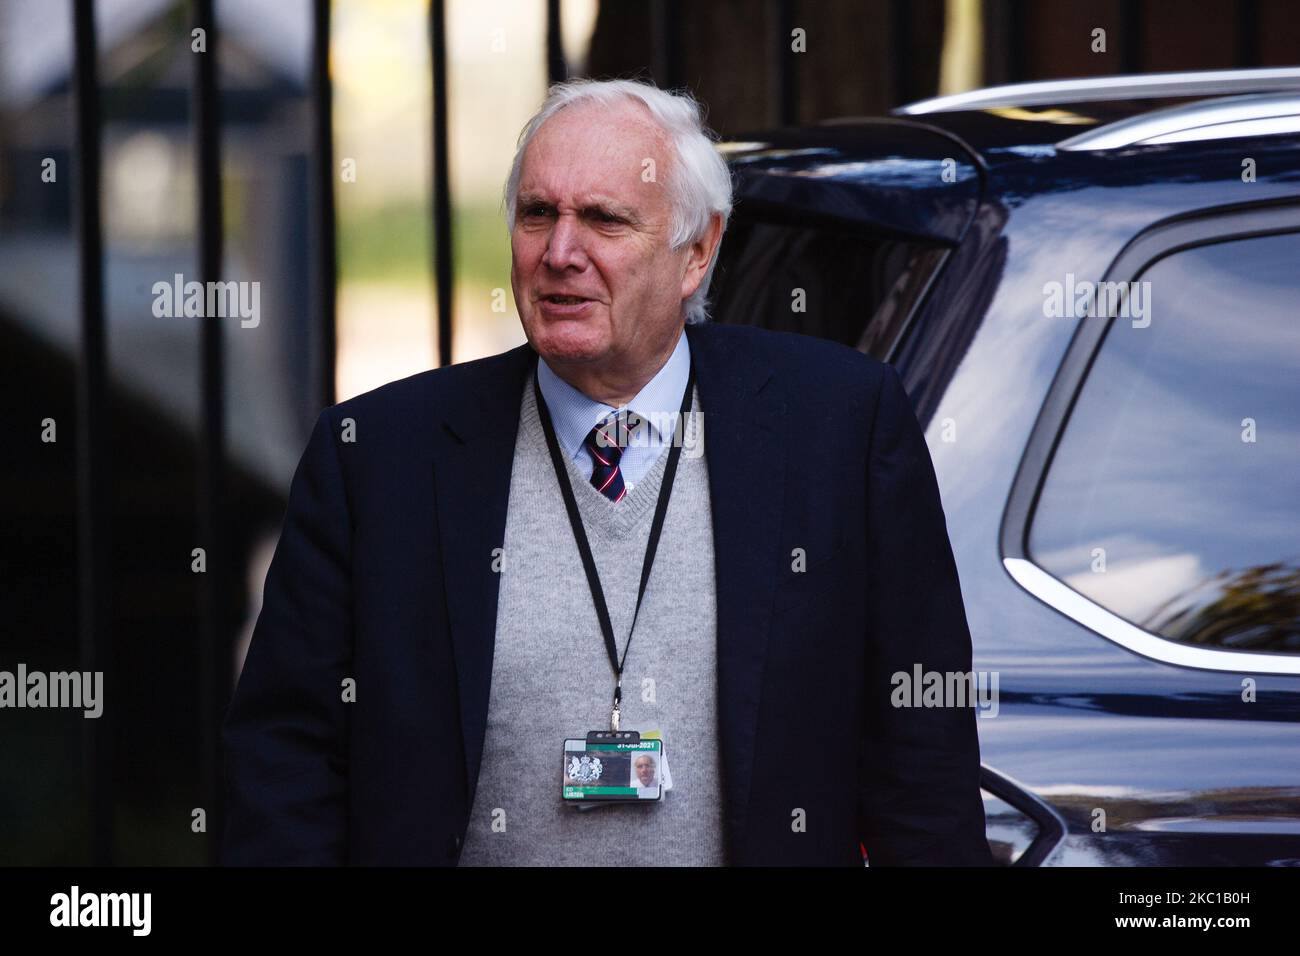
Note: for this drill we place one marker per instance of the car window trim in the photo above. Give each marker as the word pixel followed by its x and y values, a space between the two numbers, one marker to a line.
pixel 1205 227
pixel 1050 825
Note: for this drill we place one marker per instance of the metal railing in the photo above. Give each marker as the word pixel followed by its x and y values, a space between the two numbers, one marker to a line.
pixel 93 466
pixel 215 627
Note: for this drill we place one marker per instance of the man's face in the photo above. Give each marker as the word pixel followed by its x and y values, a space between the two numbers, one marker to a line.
pixel 645 771
pixel 591 229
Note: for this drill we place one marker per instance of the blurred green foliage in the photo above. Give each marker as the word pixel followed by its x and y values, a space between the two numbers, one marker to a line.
pixel 393 243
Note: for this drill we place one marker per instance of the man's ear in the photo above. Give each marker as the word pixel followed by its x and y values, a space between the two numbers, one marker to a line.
pixel 701 254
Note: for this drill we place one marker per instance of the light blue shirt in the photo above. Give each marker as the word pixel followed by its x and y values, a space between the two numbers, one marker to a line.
pixel 574 415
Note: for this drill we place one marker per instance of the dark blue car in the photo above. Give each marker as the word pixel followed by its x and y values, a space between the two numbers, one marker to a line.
pixel 1091 289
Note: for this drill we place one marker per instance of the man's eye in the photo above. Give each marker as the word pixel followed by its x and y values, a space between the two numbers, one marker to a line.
pixel 535 211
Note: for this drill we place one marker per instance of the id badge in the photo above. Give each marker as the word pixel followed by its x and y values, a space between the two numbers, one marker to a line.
pixel 612 766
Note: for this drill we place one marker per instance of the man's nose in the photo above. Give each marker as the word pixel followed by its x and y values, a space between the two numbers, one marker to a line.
pixel 564 247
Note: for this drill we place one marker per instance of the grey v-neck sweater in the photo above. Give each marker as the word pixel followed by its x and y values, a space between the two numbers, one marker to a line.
pixel 551 676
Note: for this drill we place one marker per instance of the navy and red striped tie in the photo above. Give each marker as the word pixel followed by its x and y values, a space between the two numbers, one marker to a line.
pixel 605 444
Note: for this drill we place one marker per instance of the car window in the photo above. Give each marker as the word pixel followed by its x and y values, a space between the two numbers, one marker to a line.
pixel 1173 498
pixel 836 284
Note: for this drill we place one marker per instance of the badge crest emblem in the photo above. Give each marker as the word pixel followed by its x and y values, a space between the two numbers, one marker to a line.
pixel 585 769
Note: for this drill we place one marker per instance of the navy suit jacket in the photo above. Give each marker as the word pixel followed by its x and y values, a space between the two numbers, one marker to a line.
pixel 384 575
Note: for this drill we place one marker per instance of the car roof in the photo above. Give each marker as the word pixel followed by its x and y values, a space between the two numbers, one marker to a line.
pixel 1111 112
pixel 922 171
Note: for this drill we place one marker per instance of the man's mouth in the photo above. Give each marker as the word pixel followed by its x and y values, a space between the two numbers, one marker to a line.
pixel 564 299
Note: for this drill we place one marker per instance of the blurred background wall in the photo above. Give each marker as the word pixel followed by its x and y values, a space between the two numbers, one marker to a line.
pixel 101 523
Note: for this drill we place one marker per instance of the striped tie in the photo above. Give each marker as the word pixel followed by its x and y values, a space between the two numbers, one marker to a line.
pixel 605 444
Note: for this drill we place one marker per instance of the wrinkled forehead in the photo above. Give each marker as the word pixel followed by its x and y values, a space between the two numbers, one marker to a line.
pixel 592 149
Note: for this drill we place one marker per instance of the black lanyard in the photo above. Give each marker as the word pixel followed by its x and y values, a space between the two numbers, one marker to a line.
pixel 580 534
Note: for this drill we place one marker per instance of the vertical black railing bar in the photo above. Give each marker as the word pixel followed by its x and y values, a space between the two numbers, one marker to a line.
pixel 782 110
pixel 1017 63
pixel 214 598
pixel 326 255
pixel 442 237
pixel 1247 34
pixel 666 16
pixel 900 46
pixel 1131 36
pixel 557 71
pixel 995 59
pixel 93 469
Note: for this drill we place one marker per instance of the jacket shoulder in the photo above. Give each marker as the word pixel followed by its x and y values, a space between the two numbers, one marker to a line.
pixel 815 367
pixel 418 396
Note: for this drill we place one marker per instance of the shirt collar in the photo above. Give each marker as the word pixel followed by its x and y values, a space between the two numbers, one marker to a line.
pixel 573 414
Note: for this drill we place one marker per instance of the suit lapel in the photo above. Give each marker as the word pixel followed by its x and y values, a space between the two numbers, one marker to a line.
pixel 472 489
pixel 747 466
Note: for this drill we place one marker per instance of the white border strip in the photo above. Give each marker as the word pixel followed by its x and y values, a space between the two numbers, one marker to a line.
pixel 1083 89
pixel 1262 115
pixel 1114 628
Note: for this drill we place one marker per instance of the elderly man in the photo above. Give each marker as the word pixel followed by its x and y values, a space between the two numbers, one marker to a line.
pixel 636 527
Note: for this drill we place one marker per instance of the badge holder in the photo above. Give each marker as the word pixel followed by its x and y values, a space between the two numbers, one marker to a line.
pixel 612 766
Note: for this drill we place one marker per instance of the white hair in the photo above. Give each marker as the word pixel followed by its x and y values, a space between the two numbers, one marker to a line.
pixel 699 184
